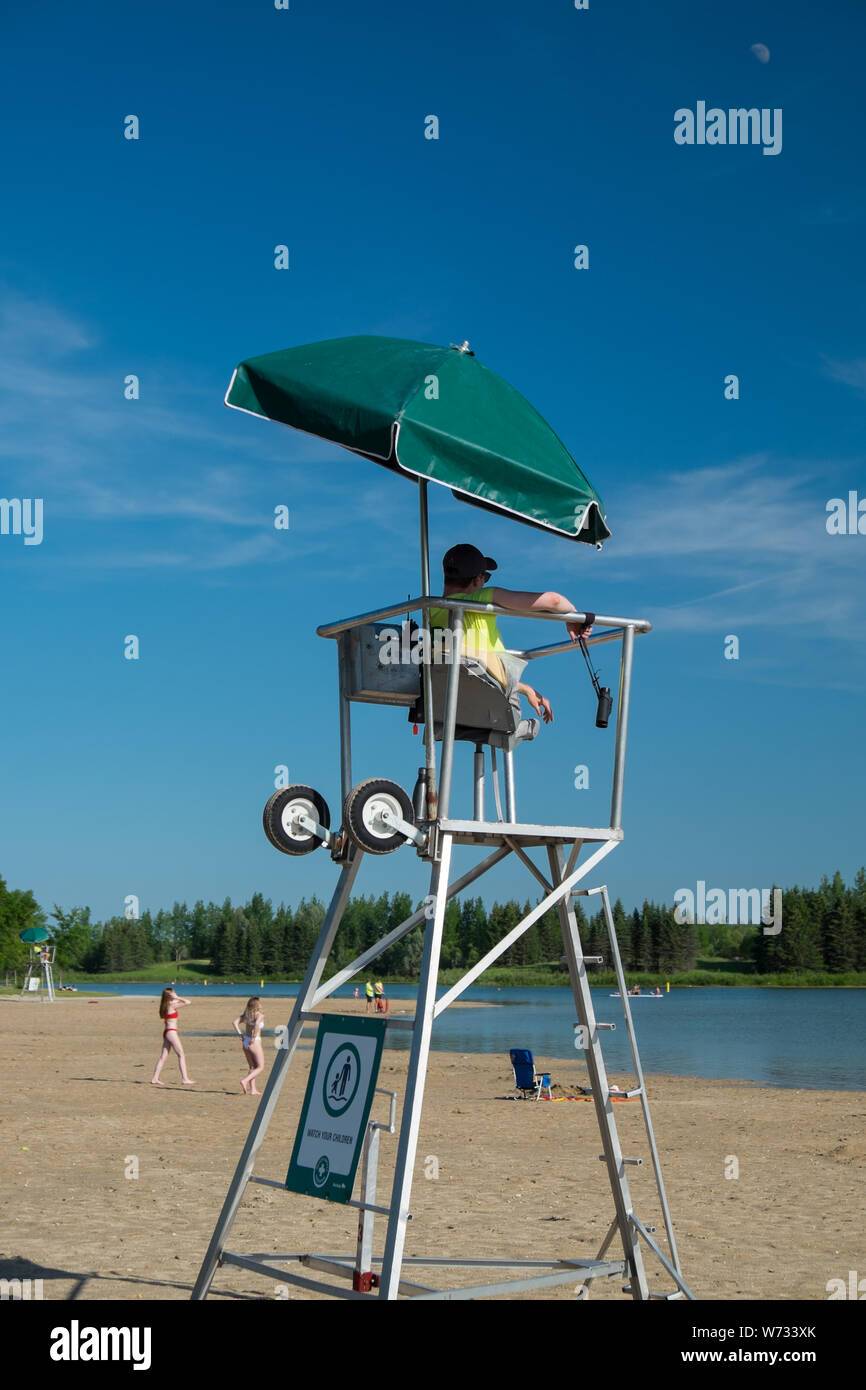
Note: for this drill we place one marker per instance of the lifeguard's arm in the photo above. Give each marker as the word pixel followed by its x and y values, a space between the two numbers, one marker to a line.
pixel 178 1000
pixel 524 601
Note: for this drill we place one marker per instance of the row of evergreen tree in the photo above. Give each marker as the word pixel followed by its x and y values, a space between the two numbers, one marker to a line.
pixel 822 929
pixel 256 940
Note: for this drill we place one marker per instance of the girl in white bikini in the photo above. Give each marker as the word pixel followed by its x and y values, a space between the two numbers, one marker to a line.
pixel 252 1020
pixel 168 1009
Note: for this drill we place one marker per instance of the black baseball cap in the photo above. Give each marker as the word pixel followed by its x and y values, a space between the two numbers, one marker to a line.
pixel 465 561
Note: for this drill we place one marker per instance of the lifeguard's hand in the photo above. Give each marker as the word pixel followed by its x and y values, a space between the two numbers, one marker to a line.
pixel 539 704
pixel 576 630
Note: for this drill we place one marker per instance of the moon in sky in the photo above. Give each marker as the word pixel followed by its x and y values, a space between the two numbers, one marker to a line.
pixel 761 52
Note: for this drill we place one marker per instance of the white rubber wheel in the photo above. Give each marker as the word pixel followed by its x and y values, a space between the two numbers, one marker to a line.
pixel 280 819
pixel 362 815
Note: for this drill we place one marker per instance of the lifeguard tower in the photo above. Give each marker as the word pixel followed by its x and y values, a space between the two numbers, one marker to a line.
pixel 39 979
pixel 378 816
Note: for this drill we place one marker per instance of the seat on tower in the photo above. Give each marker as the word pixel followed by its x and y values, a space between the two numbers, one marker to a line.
pixel 381 668
pixel 484 712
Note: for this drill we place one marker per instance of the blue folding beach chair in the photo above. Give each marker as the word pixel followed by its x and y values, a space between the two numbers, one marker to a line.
pixel 526 1078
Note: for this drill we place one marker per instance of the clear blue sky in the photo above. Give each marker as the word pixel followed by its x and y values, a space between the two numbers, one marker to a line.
pixel 306 127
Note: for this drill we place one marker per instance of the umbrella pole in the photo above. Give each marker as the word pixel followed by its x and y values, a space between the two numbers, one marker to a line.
pixel 429 731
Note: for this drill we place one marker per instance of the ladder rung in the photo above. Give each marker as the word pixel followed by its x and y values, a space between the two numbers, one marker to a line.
pixel 606 1027
pixel 636 1162
pixel 359 1206
pixel 638 1091
pixel 315 1016
pixel 381 1211
pixel 668 1297
pixel 594 960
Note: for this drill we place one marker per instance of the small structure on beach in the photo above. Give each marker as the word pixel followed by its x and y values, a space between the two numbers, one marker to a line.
pixel 39 979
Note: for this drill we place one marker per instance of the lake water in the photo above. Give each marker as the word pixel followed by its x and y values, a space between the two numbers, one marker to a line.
pixel 808 1039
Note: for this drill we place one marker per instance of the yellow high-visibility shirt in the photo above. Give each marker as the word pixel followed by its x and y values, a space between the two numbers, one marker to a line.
pixel 481 636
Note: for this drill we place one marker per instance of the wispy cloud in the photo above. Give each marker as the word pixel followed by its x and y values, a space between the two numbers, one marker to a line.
pixel 174 481
pixel 250 550
pixel 849 373
pixel 173 457
pixel 29 326
pixel 749 545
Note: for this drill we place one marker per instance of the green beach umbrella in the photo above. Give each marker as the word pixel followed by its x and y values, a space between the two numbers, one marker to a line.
pixel 34 934
pixel 433 413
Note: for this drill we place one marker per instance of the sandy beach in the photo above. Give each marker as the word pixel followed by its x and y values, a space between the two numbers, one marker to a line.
pixel 515 1178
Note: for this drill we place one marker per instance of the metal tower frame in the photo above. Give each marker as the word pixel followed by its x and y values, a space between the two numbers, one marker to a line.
pixel 41 964
pixel 434 840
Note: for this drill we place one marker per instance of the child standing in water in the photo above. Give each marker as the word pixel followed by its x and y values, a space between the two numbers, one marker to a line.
pixel 252 1020
pixel 168 1010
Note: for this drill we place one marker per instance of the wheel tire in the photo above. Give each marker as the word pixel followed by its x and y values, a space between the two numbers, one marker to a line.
pixel 277 819
pixel 360 815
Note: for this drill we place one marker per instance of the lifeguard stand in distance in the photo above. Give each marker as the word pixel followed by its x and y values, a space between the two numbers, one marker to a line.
pixel 39 979
pixel 379 817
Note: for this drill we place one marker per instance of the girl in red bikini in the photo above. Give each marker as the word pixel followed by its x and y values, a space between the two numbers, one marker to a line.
pixel 168 1009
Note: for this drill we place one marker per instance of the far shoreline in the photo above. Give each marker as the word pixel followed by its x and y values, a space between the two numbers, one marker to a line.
pixel 711 980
